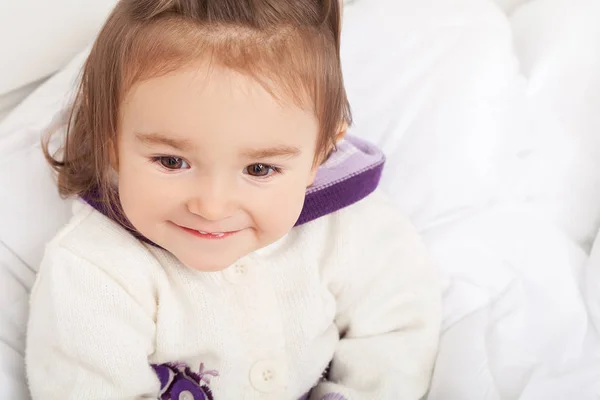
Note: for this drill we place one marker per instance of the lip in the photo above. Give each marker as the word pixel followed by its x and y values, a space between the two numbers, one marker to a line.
pixel 208 235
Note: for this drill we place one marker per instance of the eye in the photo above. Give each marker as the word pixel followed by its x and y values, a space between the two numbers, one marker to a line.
pixel 172 163
pixel 261 170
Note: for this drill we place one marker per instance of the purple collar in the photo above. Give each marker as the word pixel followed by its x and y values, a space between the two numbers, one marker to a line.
pixel 351 173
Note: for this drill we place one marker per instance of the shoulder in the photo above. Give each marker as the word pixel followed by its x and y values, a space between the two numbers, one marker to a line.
pixel 374 231
pixel 375 215
pixel 369 219
pixel 373 226
pixel 91 235
pixel 93 239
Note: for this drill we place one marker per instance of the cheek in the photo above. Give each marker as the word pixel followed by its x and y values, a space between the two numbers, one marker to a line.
pixel 135 205
pixel 139 196
pixel 280 208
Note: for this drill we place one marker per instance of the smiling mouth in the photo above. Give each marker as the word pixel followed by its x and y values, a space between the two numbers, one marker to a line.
pixel 209 235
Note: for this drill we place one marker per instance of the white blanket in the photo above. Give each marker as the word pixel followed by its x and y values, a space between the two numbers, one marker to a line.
pixel 489 117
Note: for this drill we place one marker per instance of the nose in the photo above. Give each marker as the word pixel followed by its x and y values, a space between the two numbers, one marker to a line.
pixel 213 199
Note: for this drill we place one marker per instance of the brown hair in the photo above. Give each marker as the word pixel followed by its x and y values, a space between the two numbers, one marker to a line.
pixel 291 47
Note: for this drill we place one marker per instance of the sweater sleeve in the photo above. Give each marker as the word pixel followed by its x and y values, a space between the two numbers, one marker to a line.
pixel 389 309
pixel 89 337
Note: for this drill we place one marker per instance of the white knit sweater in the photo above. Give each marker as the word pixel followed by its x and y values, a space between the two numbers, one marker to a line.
pixel 354 288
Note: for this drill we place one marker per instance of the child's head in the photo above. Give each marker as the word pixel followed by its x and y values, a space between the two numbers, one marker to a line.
pixel 203 121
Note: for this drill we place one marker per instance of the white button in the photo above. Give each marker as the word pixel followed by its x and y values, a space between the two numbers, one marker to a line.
pixel 235 273
pixel 185 395
pixel 268 376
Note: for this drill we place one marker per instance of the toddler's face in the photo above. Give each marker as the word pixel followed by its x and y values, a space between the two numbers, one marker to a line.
pixel 211 166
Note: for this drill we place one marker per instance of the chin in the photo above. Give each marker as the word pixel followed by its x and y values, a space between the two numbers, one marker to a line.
pixel 204 266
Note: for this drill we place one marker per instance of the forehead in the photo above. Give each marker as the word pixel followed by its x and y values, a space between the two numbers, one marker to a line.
pixel 203 103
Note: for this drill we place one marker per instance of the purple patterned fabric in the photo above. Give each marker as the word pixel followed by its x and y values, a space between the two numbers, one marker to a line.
pixel 333 396
pixel 177 379
pixel 351 173
pixel 328 396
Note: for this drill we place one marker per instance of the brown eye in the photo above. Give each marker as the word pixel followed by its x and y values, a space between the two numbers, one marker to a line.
pixel 173 163
pixel 260 170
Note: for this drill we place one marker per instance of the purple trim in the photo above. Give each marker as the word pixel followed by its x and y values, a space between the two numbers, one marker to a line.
pixel 340 195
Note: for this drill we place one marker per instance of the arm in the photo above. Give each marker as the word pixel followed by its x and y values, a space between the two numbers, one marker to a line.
pixel 88 337
pixel 389 309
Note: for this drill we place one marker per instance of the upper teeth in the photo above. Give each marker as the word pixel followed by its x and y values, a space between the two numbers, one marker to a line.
pixel 212 233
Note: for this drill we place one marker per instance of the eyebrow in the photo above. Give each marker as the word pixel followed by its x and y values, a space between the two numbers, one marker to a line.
pixel 270 152
pixel 159 139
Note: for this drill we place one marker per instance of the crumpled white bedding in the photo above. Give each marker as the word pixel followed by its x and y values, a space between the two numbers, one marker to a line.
pixel 489 117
